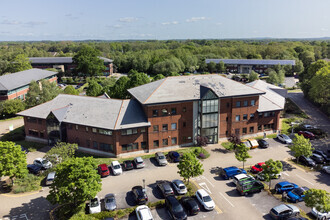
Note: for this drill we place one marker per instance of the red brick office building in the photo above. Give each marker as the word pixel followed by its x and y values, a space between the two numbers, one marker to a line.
pixel 164 114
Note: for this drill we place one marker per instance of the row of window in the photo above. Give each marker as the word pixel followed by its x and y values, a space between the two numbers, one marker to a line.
pixel 174 141
pixel 244 103
pixel 34 120
pixel 251 129
pixel 165 112
pixel 100 146
pixel 260 115
pixel 165 127
pixel 36 133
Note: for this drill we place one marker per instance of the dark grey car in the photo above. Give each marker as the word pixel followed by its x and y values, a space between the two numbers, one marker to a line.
pixel 165 187
pixel 110 202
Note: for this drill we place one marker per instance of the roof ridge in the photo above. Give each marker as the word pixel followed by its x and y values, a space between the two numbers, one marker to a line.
pixel 154 91
pixel 122 103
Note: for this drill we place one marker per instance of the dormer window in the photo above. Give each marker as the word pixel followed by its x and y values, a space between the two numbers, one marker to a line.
pixel 164 111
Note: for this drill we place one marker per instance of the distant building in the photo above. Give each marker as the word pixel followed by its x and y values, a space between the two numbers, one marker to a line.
pixel 65 64
pixel 247 65
pixel 16 85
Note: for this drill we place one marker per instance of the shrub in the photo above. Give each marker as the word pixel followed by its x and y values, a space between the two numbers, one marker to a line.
pixel 70 80
pixel 201 156
pixel 201 153
pixel 27 184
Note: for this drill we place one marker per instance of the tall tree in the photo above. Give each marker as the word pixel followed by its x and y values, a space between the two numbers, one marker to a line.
pixel 119 90
pixel 241 153
pixel 70 90
pixel 271 169
pixel 320 89
pixel 221 68
pixel 9 108
pixel 299 67
pixel 87 61
pixel 61 152
pixel 253 76
pixel 138 79
pixel 19 63
pixel 319 199
pixel 301 147
pixel 94 89
pixel 189 166
pixel 211 67
pixel 158 77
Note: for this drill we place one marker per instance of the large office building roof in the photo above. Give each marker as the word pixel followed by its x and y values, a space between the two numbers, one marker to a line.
pixel 188 88
pixel 58 60
pixel 252 62
pixel 15 80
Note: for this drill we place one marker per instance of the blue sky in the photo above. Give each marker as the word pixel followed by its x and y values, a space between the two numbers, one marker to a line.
pixel 162 19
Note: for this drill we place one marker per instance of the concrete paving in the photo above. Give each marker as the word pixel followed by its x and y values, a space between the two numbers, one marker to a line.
pixel 4 125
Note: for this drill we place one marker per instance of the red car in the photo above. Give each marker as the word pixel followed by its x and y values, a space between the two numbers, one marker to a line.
pixel 103 170
pixel 307 134
pixel 257 168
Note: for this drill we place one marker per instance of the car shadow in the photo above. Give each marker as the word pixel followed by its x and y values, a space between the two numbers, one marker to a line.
pixel 132 216
pixel 130 199
pixel 163 213
pixel 154 161
pixel 215 170
pixel 220 150
pixel 323 178
pixel 233 193
pixel 287 166
pixel 230 184
pixel 267 217
pixel 156 191
pixel 218 178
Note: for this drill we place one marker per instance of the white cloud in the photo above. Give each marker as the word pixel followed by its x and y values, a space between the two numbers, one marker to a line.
pixel 34 23
pixel 8 22
pixel 169 23
pixel 194 19
pixel 128 19
pixel 219 23
pixel 324 29
pixel 115 26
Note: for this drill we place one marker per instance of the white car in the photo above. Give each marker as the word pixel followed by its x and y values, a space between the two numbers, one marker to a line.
pixel 260 176
pixel 139 163
pixel 143 213
pixel 43 163
pixel 94 205
pixel 326 169
pixel 204 198
pixel 284 138
pixel 241 176
pixel 320 215
pixel 116 168
pixel 179 187
pixel 50 178
pixel 308 127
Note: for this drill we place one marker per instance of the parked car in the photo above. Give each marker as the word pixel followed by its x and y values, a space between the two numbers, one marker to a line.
pixel 307 134
pixel 247 144
pixel 326 169
pixel 103 170
pixel 204 198
pixel 175 208
pixel 325 157
pixel 309 127
pixel 161 159
pixel 128 165
pixel 263 144
pixel 94 205
pixel 140 195
pixel 230 172
pixel 174 156
pixel 139 163
pixel 285 186
pixel 50 178
pixel 320 214
pixel 257 167
pixel 284 138
pixel 116 168
pixel 254 143
pixel 43 163
pixel 143 213
pixel 284 211
pixel 190 205
pixel 110 203
pixel 242 177
pixel 165 187
pixel 297 195
pixel 307 161
pixel 317 158
pixel 260 176
pixel 34 169
pixel 179 187
pixel 249 186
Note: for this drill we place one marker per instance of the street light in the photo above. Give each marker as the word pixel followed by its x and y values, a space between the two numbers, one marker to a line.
pixel 144 183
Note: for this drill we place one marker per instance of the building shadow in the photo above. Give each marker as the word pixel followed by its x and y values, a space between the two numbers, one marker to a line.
pixel 323 178
pixel 156 191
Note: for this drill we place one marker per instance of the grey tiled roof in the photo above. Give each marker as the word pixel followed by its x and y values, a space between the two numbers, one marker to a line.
pixel 58 60
pixel 187 88
pixel 252 61
pixel 90 111
pixel 19 79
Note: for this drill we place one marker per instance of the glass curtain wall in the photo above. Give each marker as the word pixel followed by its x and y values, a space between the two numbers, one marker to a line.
pixel 53 129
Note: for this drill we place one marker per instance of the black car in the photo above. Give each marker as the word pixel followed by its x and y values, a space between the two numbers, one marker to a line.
pixel 165 187
pixel 140 195
pixel 128 165
pixel 34 169
pixel 263 144
pixel 174 156
pixel 25 150
pixel 190 205
pixel 321 153
pixel 317 158
pixel 175 208
pixel 306 161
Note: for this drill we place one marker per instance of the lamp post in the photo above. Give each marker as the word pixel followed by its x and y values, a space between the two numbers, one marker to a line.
pixel 144 183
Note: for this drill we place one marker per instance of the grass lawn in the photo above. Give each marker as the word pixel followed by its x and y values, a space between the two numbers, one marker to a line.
pixel 27 184
pixel 31 146
pixel 10 119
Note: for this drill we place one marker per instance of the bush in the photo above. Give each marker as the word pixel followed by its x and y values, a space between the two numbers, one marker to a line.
pixel 201 156
pixel 27 184
pixel 158 204
pixel 201 153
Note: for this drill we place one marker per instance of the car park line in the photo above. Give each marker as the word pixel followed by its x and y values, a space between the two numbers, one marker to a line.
pixel 226 199
pixel 285 173
pixel 204 186
pixel 304 179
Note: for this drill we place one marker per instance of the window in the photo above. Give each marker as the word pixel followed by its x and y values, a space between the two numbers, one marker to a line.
pixel 173 126
pixel 33 132
pixel 260 115
pixel 244 130
pixel 228 104
pixel 88 143
pixel 144 145
pixel 237 131
pixel 94 130
pixel 154 113
pixel 95 145
pixel 237 118
pixel 184 109
pixel 165 142
pixel 105 132
pixel 251 116
pixel 226 133
pixel 41 134
pixel 77 127
pixel 245 103
pixel 184 124
pixel 69 126
pixel 129 131
pixel 164 127
pixel 209 120
pixel 31 120
pixel 253 102
pixel 267 114
pixel 259 127
pixel 174 140
pixel 226 118
pixel 238 104
pixel 155 128
pixel 272 114
pixel 135 146
pixel 173 111
pixel 251 129
pixel 164 112
pixel 143 130
pixel 156 143
pixel 39 121
pixel 210 106
pixel 245 117
pixel 106 147
pixel 86 129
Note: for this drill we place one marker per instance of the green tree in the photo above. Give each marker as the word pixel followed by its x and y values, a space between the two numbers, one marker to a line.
pixel 307 57
pixel 320 90
pixel 9 108
pixel 211 67
pixel 288 69
pixel 271 169
pixel 19 63
pixel 87 61
pixel 76 181
pixel 138 79
pixel 3 66
pixel 172 65
pixel 220 67
pixel 301 147
pixel 119 90
pixel 273 78
pixel 253 76
pixel 318 198
pixel 158 77
pixel 299 67
pixel 61 152
pixel 12 160
pixel 189 166
pixel 70 90
pixel 94 89
pixel 241 153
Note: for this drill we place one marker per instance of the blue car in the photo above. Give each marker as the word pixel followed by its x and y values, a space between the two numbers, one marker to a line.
pixel 297 195
pixel 174 156
pixel 285 187
pixel 230 172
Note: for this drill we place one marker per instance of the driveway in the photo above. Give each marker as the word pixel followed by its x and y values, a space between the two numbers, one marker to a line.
pixel 4 125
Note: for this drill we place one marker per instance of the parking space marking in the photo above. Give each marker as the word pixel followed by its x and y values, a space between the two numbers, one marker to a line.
pixel 216 208
pixel 204 186
pixel 226 199
pixel 285 173
pixel 304 179
pixel 203 177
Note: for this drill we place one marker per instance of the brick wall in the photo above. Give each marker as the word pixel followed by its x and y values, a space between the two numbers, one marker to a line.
pixel 35 127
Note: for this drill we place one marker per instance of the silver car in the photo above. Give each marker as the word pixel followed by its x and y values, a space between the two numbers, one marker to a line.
pixel 284 211
pixel 139 163
pixel 179 187
pixel 161 159
pixel 110 202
